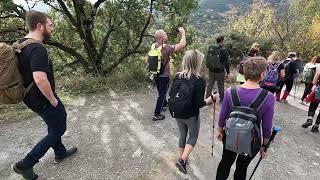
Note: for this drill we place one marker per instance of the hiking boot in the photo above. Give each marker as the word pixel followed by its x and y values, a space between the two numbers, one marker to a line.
pixel 284 101
pixel 58 159
pixel 158 117
pixel 307 124
pixel 27 173
pixel 315 128
pixel 181 165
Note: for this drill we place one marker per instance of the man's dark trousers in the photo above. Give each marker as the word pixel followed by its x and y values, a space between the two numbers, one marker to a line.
pixel 162 86
pixel 55 118
pixel 213 77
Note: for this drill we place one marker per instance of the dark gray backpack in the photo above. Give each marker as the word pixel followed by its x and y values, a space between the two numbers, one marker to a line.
pixel 213 59
pixel 242 129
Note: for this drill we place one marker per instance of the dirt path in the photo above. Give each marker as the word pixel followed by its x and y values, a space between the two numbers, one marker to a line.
pixel 117 140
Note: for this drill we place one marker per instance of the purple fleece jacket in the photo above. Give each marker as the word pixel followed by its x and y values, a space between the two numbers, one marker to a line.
pixel 246 96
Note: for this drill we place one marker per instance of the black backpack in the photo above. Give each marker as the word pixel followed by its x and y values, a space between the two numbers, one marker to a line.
pixel 213 59
pixel 287 63
pixel 242 59
pixel 181 98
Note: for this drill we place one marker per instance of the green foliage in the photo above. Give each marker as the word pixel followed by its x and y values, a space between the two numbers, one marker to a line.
pixel 100 37
pixel 129 76
pixel 239 44
pixel 15 112
pixel 291 28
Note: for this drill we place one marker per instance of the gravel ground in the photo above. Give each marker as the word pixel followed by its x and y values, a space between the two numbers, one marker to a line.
pixel 117 140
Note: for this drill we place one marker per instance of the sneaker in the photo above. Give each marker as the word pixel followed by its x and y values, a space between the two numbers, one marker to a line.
pixel 284 101
pixel 158 117
pixel 181 165
pixel 27 173
pixel 58 159
pixel 315 128
pixel 307 124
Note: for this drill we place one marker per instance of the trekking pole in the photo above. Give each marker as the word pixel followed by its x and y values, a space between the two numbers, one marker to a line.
pixel 295 89
pixel 274 132
pixel 213 121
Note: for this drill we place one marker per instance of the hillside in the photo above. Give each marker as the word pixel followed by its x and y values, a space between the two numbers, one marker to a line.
pixel 208 18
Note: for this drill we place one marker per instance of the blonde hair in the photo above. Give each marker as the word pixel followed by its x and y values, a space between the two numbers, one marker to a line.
pixel 315 59
pixel 274 57
pixel 256 46
pixel 191 64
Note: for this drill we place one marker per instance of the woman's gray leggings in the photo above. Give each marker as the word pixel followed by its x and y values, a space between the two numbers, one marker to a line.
pixel 192 125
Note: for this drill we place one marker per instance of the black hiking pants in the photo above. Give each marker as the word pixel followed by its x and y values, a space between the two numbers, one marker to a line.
pixel 228 158
pixel 55 118
pixel 307 90
pixel 312 111
pixel 289 84
pixel 162 84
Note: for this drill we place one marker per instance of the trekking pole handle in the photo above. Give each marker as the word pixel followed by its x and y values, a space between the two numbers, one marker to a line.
pixel 214 93
pixel 274 132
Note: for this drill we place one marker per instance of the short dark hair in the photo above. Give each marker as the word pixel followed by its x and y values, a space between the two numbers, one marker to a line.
pixel 292 54
pixel 35 17
pixel 253 67
pixel 220 39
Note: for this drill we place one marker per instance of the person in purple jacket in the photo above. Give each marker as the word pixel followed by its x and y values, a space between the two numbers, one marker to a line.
pixel 254 71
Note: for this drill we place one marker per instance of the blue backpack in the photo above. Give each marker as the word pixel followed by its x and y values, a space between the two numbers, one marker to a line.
pixel 272 76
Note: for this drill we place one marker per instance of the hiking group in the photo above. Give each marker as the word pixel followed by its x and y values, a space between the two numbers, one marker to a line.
pixel 26 74
pixel 243 108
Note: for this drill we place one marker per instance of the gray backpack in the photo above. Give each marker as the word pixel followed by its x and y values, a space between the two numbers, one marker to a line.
pixel 242 129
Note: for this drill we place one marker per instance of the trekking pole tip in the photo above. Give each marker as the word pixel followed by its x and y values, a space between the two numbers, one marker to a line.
pixel 277 128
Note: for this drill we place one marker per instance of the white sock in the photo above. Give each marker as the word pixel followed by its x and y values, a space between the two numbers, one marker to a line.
pixel 310 117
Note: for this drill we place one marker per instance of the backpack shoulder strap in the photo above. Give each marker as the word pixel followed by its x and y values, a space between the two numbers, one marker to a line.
pixel 153 46
pixel 259 99
pixel 19 46
pixel 235 97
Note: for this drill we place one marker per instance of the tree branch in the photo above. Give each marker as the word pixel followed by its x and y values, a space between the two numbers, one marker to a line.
pixel 21 13
pixel 120 60
pixel 73 63
pixel 67 12
pixel 145 27
pixel 98 3
pixel 104 45
pixel 54 7
pixel 85 32
pixel 12 30
pixel 135 49
pixel 70 51
pixel 67 64
pixel 9 16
